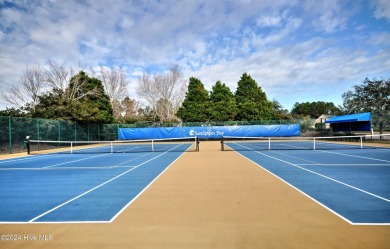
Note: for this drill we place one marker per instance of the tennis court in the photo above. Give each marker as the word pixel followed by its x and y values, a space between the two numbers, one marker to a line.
pixel 90 182
pixel 237 198
pixel 348 180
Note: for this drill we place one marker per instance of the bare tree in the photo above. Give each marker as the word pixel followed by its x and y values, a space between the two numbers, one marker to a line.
pixel 147 90
pixel 37 80
pixel 115 84
pixel 129 108
pixel 164 92
pixel 57 76
pixel 31 84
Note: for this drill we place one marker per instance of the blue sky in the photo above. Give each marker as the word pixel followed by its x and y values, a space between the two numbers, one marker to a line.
pixel 297 51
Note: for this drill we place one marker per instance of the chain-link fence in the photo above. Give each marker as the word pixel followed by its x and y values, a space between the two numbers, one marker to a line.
pixel 14 130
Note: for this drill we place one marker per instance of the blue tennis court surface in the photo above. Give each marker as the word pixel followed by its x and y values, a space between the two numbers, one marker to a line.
pixel 353 184
pixel 77 187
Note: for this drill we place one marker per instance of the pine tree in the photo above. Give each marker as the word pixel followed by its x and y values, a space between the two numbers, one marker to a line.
pixel 196 103
pixel 251 101
pixel 222 103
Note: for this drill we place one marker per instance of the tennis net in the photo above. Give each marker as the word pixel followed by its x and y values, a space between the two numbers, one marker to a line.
pixel 118 146
pixel 305 143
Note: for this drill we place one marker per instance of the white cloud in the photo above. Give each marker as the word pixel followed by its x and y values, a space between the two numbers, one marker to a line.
pixel 328 16
pixel 300 72
pixel 382 9
pixel 273 40
pixel 271 19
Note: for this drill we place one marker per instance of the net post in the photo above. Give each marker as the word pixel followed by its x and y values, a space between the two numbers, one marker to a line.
pixel 361 142
pixel 314 143
pixel 152 145
pixel 112 147
pixel 27 144
pixel 71 147
pixel 222 147
pixel 197 143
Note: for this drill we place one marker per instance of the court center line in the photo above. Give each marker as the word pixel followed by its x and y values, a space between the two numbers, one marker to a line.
pixel 324 176
pixel 92 189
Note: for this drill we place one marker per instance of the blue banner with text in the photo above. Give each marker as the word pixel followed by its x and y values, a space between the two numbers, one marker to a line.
pixel 209 132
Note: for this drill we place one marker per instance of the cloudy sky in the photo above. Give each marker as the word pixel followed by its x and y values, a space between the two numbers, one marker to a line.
pixel 297 51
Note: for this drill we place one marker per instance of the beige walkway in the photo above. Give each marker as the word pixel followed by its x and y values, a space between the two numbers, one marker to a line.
pixel 211 199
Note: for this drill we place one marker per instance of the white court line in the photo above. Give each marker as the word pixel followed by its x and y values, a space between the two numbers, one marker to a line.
pixel 66 168
pixel 68 162
pixel 346 164
pixel 338 153
pixel 27 158
pixel 92 189
pixel 82 159
pixel 312 162
pixel 330 164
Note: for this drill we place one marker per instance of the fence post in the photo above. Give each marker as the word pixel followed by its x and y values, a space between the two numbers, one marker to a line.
pixel 75 131
pixel 38 138
pixel 10 134
pixel 99 132
pixel 59 130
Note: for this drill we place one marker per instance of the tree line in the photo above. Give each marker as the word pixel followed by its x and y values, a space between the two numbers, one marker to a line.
pixel 55 91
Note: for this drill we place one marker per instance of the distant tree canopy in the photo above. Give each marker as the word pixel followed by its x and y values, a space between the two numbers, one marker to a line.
pixel 315 109
pixel 371 96
pixel 55 91
pixel 12 112
pixel 279 112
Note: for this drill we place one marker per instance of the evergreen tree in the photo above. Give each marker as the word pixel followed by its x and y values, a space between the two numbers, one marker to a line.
pixel 89 102
pixel 84 101
pixel 222 103
pixel 251 101
pixel 195 105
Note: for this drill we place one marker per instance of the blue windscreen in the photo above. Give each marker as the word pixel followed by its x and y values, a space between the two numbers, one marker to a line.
pixel 209 132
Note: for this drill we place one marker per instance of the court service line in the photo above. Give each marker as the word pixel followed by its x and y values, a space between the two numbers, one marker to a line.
pixel 92 189
pixel 24 158
pixel 338 153
pixel 324 176
pixel 86 158
pixel 82 159
pixel 346 164
pixel 295 157
pixel 66 168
